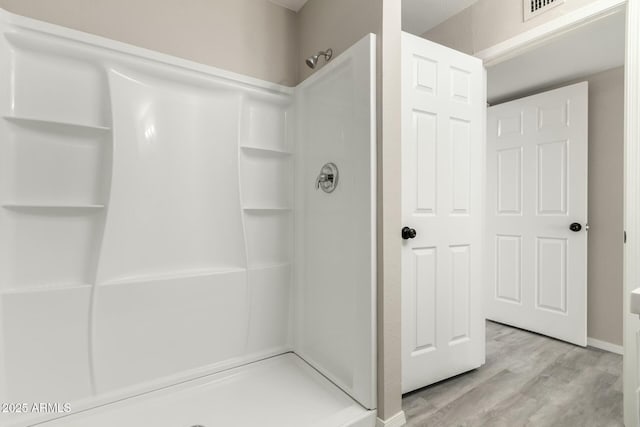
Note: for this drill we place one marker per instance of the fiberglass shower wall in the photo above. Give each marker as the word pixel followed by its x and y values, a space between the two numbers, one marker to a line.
pixel 335 232
pixel 142 245
pixel 147 219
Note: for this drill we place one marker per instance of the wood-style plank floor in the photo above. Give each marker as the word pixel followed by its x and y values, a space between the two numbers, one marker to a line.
pixel 528 380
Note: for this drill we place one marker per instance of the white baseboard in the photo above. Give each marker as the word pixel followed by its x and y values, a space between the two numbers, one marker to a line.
pixel 398 420
pixel 606 346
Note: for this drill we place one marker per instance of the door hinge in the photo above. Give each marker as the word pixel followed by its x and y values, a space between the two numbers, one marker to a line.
pixel 625 236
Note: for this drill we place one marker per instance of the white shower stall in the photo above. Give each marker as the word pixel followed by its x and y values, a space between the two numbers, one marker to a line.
pixel 167 258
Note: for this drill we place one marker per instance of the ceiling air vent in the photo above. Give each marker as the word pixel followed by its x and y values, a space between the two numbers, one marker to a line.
pixel 533 8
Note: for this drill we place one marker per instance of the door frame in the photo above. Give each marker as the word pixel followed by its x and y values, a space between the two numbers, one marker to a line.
pixel 544 33
pixel 631 210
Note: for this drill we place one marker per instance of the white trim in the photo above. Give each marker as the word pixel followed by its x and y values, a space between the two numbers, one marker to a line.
pixel 543 33
pixel 606 346
pixel 374 217
pixel 398 420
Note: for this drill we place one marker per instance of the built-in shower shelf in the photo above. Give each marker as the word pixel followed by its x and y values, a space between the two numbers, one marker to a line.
pixel 266 209
pixel 49 206
pixel 263 151
pixel 29 121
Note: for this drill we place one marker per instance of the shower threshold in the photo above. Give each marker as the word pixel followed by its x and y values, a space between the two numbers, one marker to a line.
pixel 283 391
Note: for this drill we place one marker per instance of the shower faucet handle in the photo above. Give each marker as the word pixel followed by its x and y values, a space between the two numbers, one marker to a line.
pixel 327 180
pixel 324 177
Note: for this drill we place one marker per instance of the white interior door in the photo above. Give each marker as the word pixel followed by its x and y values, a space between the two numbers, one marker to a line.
pixel 443 167
pixel 537 188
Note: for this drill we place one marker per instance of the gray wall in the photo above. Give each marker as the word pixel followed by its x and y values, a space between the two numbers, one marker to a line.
pixel 489 22
pixel 252 37
pixel 336 24
pixel 389 213
pixel 606 196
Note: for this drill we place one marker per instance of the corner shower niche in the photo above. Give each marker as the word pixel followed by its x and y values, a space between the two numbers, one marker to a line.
pixel 150 219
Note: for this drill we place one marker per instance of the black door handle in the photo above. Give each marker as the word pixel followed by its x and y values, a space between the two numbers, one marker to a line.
pixel 575 227
pixel 408 233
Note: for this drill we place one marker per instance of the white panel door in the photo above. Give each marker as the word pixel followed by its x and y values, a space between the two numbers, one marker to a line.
pixel 443 169
pixel 537 188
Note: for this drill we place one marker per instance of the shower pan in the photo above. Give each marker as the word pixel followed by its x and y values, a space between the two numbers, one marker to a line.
pixel 166 257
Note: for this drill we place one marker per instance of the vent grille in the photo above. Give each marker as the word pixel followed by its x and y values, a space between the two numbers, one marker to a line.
pixel 533 8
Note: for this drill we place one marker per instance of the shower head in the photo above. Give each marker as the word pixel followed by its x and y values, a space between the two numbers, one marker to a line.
pixel 312 61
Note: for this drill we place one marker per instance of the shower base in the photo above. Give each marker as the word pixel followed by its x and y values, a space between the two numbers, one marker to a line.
pixel 282 391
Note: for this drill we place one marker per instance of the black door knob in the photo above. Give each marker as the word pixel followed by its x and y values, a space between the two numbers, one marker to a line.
pixel 575 227
pixel 408 233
